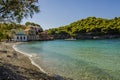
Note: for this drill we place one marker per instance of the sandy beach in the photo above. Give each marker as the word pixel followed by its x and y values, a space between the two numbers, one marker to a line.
pixel 16 66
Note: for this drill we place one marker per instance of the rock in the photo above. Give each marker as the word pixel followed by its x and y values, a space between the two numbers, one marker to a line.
pixel 9 56
pixel 3 51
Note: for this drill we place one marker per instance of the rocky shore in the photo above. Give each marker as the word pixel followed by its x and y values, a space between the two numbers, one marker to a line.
pixel 16 66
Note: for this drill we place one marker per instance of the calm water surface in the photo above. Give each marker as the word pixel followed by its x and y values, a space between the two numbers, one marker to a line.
pixel 78 60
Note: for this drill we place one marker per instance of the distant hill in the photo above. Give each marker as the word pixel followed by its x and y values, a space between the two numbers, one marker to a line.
pixel 88 28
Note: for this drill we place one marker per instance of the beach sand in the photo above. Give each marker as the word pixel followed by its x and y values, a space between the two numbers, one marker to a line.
pixel 16 66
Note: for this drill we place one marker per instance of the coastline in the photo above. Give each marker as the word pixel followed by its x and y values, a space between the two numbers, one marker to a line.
pixel 30 57
pixel 15 65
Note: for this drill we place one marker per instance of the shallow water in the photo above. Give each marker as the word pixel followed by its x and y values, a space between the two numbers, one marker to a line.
pixel 78 60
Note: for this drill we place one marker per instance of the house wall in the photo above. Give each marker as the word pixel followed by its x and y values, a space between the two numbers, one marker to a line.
pixel 20 38
pixel 33 37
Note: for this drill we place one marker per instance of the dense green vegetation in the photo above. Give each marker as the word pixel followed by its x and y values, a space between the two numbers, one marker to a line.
pixel 90 26
pixel 7 29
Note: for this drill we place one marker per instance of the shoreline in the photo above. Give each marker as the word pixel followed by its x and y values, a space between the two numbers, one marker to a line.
pixel 29 56
pixel 15 65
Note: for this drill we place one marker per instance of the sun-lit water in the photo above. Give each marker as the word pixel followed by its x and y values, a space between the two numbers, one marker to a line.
pixel 78 60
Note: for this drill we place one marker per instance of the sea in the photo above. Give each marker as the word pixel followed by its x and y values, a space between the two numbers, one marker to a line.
pixel 77 59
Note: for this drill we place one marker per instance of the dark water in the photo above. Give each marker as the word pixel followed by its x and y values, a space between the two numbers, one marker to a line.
pixel 78 60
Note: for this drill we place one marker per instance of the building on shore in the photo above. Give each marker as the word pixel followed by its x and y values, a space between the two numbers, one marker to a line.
pixel 31 33
pixel 20 36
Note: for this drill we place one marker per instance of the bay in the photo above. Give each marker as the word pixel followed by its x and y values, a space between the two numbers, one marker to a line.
pixel 79 59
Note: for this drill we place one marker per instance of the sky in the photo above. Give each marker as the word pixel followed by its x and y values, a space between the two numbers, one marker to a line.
pixel 56 13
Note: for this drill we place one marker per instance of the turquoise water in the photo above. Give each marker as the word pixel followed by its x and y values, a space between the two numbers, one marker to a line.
pixel 78 60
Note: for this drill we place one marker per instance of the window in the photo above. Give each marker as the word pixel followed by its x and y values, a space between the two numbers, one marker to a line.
pixel 21 37
pixel 24 37
pixel 17 37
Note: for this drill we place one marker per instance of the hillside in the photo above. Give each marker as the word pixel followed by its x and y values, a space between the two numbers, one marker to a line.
pixel 88 28
pixel 7 30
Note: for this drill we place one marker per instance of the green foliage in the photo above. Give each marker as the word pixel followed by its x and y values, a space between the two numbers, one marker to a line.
pixel 90 25
pixel 31 23
pixel 6 29
pixel 16 10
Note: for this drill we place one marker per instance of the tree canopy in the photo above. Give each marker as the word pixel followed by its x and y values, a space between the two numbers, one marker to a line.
pixel 88 26
pixel 31 23
pixel 16 10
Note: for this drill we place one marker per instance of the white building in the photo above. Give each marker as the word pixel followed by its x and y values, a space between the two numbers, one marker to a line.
pixel 20 36
pixel 31 33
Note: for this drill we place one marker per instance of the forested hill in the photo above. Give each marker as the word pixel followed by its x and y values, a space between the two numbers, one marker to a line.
pixel 88 27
